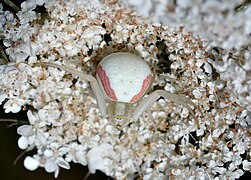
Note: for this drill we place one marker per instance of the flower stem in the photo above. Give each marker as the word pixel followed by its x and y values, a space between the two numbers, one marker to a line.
pixel 22 153
pixel 14 122
pixel 9 120
pixel 87 175
pixel 12 5
pixel 3 55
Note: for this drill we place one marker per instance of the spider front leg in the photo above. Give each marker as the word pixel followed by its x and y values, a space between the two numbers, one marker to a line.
pixel 93 82
pixel 150 99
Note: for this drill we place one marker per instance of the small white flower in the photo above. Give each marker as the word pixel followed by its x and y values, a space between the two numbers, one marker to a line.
pixel 31 163
pixel 23 142
pixel 97 155
pixel 220 170
pixel 246 165
pixel 176 172
pixel 40 2
pixel 227 157
pixel 13 105
pixel 237 174
pixel 77 153
pixel 208 68
pixel 52 165
pixel 184 113
pixel 217 132
pixel 184 4
pixel 240 147
pixel 110 129
pixel 199 132
pixel 26 130
pixel 48 153
pixel 29 132
pixel 162 102
pixel 28 5
pixel 211 164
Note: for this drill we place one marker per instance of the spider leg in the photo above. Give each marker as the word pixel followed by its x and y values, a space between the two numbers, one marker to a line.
pixel 93 82
pixel 150 99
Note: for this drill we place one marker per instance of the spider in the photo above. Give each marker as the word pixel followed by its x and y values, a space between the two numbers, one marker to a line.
pixel 122 80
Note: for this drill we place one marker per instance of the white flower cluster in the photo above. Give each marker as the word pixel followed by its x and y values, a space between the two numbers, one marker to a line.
pixel 64 124
pixel 225 24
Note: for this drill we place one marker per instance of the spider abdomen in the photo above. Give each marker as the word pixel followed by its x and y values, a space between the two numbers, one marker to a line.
pixel 124 77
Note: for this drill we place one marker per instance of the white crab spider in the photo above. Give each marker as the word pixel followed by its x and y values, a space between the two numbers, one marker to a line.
pixel 122 80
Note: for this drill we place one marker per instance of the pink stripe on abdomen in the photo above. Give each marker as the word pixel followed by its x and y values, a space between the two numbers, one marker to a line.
pixel 144 87
pixel 106 82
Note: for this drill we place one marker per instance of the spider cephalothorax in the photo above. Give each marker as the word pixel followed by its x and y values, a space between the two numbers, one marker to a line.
pixel 122 80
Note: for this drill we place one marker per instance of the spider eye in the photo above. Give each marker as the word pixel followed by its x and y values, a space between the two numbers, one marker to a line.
pixel 119 120
pixel 119 113
pixel 119 117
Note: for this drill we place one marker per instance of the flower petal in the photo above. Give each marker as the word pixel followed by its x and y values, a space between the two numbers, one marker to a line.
pixel 56 172
pixel 22 142
pixel 63 163
pixel 50 166
pixel 31 117
pixel 31 163
pixel 25 130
